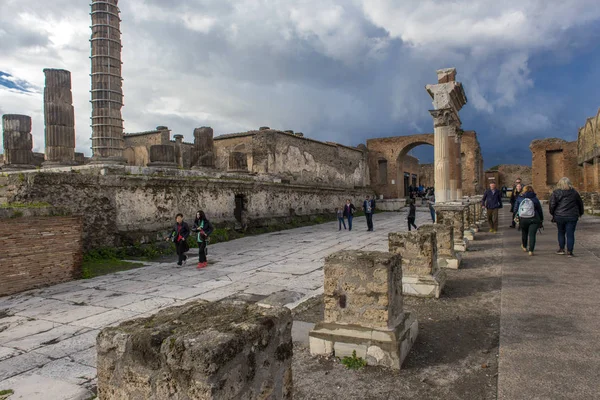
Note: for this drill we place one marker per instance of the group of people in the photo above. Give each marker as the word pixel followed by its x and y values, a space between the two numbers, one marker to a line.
pixel 180 233
pixel 347 213
pixel 565 207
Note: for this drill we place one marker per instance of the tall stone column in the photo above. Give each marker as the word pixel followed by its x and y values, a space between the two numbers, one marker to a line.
pixel 59 118
pixel 459 177
pixel 442 120
pixel 17 141
pixel 107 83
pixel 204 148
pixel 452 165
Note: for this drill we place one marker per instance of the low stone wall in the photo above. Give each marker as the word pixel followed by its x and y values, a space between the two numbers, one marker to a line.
pixel 122 205
pixel 390 204
pixel 38 249
pixel 200 350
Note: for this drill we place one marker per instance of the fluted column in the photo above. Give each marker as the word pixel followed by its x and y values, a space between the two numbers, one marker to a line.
pixel 17 141
pixel 442 123
pixel 452 163
pixel 459 177
pixel 59 118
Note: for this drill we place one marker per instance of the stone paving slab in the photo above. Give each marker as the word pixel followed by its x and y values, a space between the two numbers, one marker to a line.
pixel 37 387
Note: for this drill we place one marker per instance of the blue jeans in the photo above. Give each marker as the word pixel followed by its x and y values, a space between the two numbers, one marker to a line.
pixel 432 212
pixel 566 226
pixel 341 221
pixel 350 222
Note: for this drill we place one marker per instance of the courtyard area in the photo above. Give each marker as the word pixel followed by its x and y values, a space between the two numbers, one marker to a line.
pixel 507 325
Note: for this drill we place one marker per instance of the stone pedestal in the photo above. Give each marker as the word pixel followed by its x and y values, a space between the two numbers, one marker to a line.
pixel 452 214
pixel 446 256
pixel 17 142
pixel 204 148
pixel 179 150
pixel 199 350
pixel 59 119
pixel 421 275
pixel 363 309
pixel 162 155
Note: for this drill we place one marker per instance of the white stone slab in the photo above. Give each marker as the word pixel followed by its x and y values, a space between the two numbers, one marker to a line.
pixel 61 332
pixel 74 314
pixel 213 284
pixel 108 318
pixel 123 300
pixel 148 304
pixel 37 387
pixel 13 328
pixel 67 370
pixel 263 289
pixel 7 352
pixel 69 346
pixel 86 357
pixel 22 363
pixel 294 268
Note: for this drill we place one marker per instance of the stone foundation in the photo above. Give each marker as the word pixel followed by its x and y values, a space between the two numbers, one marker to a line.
pixel 421 275
pixel 446 256
pixel 453 214
pixel 363 309
pixel 200 350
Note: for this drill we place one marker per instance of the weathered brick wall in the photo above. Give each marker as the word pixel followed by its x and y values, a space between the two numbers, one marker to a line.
pixel 39 251
pixel 552 158
pixel 226 144
pixel 426 175
pixel 473 178
pixel 508 174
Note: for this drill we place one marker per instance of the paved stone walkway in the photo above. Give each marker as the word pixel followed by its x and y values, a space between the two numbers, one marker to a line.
pixel 47 336
pixel 550 318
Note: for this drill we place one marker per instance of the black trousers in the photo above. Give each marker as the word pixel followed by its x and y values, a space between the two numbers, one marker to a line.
pixel 202 252
pixel 411 222
pixel 181 247
pixel 369 221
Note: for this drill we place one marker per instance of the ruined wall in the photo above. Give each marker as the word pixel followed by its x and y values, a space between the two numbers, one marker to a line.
pixel 38 250
pixel 588 152
pixel 508 174
pixel 426 175
pixel 122 206
pixel 411 166
pixel 306 161
pixel 137 145
pixel 473 179
pixel 553 159
pixel 226 144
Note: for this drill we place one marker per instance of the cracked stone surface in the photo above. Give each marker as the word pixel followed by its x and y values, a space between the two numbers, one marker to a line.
pixel 48 335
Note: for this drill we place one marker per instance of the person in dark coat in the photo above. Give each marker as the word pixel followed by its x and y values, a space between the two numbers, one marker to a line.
pixel 369 209
pixel 513 199
pixel 531 217
pixel 492 202
pixel 349 210
pixel 179 236
pixel 204 228
pixel 566 207
pixel 412 210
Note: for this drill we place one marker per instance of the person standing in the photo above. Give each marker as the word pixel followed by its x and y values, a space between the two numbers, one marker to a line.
pixel 412 210
pixel 179 236
pixel 204 228
pixel 566 207
pixel 369 208
pixel 431 204
pixel 349 213
pixel 492 201
pixel 340 217
pixel 513 199
pixel 531 217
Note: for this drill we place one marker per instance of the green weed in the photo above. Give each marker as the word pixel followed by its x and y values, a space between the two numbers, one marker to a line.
pixel 354 362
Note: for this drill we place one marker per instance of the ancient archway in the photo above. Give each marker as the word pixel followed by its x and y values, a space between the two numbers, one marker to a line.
pixel 405 173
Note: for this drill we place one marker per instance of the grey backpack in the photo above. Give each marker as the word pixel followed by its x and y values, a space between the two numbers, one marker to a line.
pixel 526 209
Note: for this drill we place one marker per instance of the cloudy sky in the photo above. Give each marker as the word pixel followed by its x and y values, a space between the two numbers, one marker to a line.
pixel 338 70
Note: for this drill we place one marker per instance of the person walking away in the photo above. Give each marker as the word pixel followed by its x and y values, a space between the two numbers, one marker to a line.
pixel 349 210
pixel 513 199
pixel 566 208
pixel 492 201
pixel 204 228
pixel 531 217
pixel 340 217
pixel 411 215
pixel 369 208
pixel 179 236
pixel 431 204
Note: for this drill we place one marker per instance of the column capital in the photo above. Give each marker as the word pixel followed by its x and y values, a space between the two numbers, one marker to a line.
pixel 444 117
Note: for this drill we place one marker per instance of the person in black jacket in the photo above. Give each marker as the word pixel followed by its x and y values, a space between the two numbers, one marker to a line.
pixel 411 214
pixel 369 209
pixel 531 217
pixel 179 236
pixel 204 228
pixel 566 207
pixel 349 213
pixel 513 199
pixel 492 201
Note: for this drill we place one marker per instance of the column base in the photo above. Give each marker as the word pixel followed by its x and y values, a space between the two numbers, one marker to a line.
pixel 469 234
pixel 108 160
pixel 160 164
pixel 450 262
pixel 58 164
pixel 17 167
pixel 424 285
pixel 384 347
pixel 461 245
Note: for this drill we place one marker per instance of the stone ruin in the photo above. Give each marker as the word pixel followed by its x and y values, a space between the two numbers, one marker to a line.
pixel 364 309
pixel 199 350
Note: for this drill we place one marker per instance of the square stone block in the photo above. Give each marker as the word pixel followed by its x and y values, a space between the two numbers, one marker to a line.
pixel 452 215
pixel 384 347
pixel 469 234
pixel 200 350
pixel 363 288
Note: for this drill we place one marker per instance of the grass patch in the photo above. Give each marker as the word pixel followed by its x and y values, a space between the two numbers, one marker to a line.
pixel 25 205
pixel 354 362
pixel 4 394
pixel 92 269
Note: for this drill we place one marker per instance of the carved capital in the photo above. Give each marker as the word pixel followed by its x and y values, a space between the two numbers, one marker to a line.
pixel 443 117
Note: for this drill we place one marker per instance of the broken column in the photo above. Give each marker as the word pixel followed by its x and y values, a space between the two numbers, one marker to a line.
pixel 448 98
pixel 59 118
pixel 199 350
pixel 204 148
pixel 453 215
pixel 17 142
pixel 163 156
pixel 364 309
pixel 179 150
pixel 444 235
pixel 421 274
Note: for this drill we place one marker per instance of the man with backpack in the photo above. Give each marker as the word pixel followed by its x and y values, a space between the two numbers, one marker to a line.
pixel 492 201
pixel 531 217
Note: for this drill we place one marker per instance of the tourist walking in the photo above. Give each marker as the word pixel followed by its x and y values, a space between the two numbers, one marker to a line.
pixel 531 217
pixel 513 199
pixel 431 205
pixel 349 213
pixel 412 210
pixel 179 236
pixel 369 209
pixel 340 217
pixel 492 202
pixel 566 208
pixel 204 228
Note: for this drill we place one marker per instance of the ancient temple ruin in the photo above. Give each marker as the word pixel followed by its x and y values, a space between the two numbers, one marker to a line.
pixel 59 118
